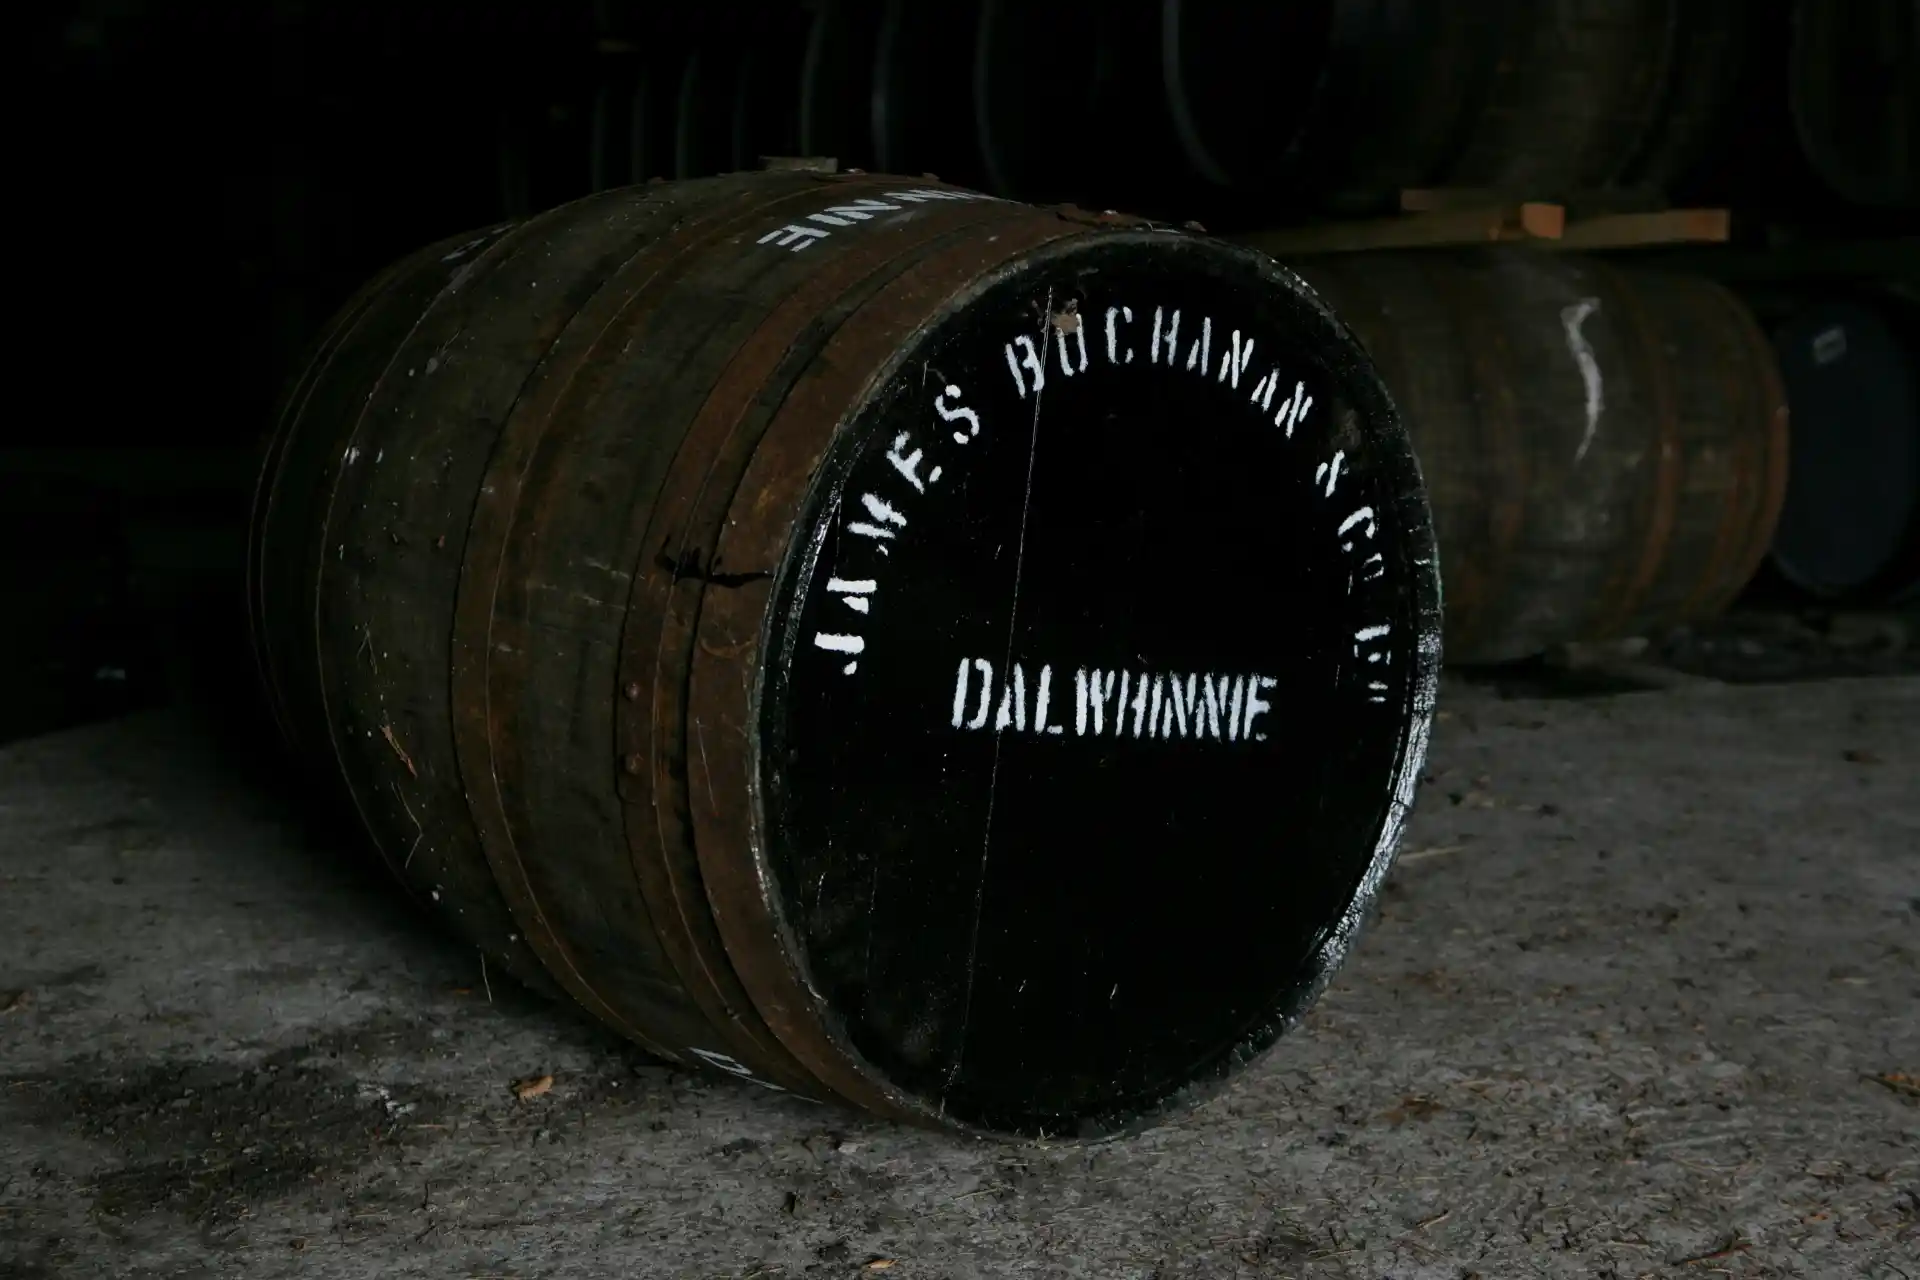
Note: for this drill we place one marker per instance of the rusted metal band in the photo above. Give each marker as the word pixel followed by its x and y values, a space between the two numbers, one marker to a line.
pixel 488 532
pixel 314 538
pixel 634 297
pixel 271 478
pixel 723 681
pixel 662 607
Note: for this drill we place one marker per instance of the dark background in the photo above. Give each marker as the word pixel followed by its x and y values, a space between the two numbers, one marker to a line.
pixel 200 182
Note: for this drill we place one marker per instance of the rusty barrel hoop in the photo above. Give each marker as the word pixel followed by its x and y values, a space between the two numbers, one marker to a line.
pixel 901 647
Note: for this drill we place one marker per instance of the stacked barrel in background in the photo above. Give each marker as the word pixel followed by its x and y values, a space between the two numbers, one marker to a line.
pixel 1605 448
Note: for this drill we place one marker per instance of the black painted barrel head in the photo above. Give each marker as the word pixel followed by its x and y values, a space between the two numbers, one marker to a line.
pixel 1098 675
pixel 1852 512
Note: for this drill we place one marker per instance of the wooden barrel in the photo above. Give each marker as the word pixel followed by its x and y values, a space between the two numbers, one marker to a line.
pixel 1604 449
pixel 1850 529
pixel 892 644
pixel 1348 103
pixel 1854 86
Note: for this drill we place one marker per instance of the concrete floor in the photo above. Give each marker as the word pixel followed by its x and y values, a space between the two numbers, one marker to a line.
pixel 1643 1001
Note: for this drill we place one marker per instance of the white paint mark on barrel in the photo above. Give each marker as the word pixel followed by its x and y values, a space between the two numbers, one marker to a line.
pixel 921 195
pixel 1256 685
pixel 908 464
pixel 985 669
pixel 1043 703
pixel 1114 316
pixel 1028 357
pixel 1171 327
pixel 1200 354
pixel 1572 318
pixel 883 513
pixel 793 237
pixel 845 215
pixel 854 592
pixel 882 510
pixel 1330 471
pixel 1013 701
pixel 1263 390
pixel 1067 325
pixel 1364 516
pixel 1234 360
pixel 848 645
pixel 959 412
pixel 1294 411
pixel 1182 706
pixel 960 694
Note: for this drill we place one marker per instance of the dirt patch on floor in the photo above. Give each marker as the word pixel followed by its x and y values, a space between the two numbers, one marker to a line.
pixel 209 1140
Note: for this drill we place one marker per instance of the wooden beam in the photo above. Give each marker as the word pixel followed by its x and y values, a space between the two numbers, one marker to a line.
pixel 1639 230
pixel 1491 225
pixel 1579 204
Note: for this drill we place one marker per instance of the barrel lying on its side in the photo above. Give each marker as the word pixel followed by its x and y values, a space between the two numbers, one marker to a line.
pixel 896 645
pixel 1605 449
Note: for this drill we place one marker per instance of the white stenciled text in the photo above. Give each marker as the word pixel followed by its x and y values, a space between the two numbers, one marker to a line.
pixel 1091 702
